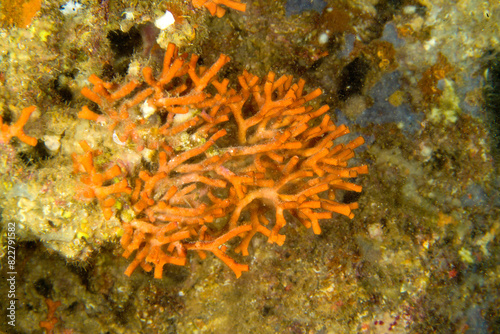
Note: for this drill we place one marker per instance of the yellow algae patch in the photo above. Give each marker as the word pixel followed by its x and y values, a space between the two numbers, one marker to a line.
pixel 466 255
pixel 80 235
pixel 397 98
pixel 445 219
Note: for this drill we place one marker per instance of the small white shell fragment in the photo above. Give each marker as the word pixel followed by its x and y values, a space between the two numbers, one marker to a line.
pixel 165 21
pixel 70 8
pixel 408 10
pixel 52 142
pixel 181 118
pixel 128 15
pixel 323 38
pixel 117 140
pixel 147 109
pixel 148 154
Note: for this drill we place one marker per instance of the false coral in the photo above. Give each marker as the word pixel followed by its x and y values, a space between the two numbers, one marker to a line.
pixel 94 181
pixel 52 320
pixel 231 163
pixel 16 129
pixel 214 7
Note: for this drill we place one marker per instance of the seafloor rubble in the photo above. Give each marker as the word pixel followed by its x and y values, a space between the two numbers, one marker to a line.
pixel 418 80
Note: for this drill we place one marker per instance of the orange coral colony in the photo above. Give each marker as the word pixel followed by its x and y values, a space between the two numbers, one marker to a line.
pixel 16 129
pixel 52 320
pixel 231 163
pixel 94 181
pixel 214 7
pixel 18 13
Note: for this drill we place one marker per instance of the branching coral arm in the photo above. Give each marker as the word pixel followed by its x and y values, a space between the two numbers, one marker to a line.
pixel 214 8
pixel 216 247
pixel 16 129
